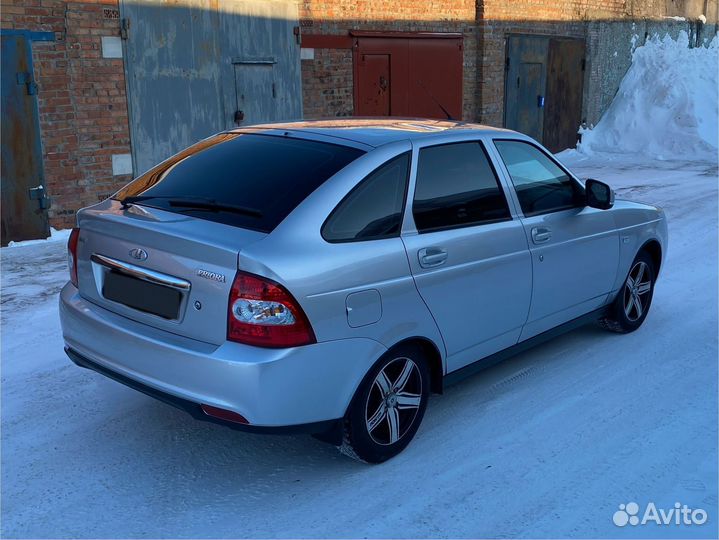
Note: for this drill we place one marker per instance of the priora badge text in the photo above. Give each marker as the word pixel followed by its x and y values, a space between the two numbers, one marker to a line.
pixel 214 276
pixel 139 254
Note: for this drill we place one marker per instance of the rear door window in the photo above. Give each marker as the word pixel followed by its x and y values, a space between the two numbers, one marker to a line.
pixel 248 180
pixel 373 209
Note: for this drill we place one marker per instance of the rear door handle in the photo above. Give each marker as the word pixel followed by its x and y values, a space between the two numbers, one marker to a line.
pixel 432 256
pixel 541 235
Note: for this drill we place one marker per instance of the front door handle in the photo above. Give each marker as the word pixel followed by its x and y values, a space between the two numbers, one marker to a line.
pixel 432 256
pixel 541 235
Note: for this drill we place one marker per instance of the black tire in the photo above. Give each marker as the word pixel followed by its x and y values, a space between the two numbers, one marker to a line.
pixel 625 315
pixel 393 414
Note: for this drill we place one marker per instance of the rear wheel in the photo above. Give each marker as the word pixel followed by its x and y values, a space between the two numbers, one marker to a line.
pixel 388 407
pixel 632 304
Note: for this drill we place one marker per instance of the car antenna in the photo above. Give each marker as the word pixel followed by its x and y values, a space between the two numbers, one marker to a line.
pixel 446 113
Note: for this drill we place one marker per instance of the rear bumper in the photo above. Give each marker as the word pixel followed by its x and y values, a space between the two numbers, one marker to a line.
pixel 194 409
pixel 302 389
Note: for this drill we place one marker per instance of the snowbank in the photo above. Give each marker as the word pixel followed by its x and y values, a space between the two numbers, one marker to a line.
pixel 55 236
pixel 666 106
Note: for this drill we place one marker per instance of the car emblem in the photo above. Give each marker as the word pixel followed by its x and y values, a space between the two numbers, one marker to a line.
pixel 139 254
pixel 214 276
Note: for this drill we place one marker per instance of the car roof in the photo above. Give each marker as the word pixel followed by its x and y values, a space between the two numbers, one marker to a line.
pixel 371 132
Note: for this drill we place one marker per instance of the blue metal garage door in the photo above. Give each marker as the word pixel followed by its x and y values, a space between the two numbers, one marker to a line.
pixel 201 66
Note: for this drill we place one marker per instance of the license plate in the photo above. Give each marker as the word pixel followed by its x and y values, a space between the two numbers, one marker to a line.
pixel 142 295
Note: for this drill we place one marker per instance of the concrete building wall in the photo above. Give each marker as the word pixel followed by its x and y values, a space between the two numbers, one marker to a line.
pixel 609 54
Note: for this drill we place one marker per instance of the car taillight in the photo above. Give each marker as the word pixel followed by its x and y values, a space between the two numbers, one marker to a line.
pixel 72 255
pixel 264 313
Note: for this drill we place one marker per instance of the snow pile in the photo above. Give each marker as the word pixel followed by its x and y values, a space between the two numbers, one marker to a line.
pixel 55 236
pixel 666 106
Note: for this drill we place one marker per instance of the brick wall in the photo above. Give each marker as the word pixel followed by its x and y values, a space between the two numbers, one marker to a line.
pixel 327 79
pixel 81 97
pixel 327 84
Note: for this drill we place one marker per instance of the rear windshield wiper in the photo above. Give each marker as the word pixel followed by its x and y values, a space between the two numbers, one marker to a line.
pixel 214 206
pixel 197 203
pixel 131 200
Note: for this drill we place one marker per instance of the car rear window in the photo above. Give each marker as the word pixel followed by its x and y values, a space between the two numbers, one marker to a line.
pixel 248 180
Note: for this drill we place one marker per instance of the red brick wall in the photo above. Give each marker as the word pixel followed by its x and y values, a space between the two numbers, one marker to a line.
pixel 81 97
pixel 332 67
pixel 327 84
pixel 485 25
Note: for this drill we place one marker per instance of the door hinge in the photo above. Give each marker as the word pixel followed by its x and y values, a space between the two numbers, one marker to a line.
pixel 124 28
pixel 38 194
pixel 25 77
pixel 584 64
pixel 506 63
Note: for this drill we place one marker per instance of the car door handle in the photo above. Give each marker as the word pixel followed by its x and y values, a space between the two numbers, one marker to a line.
pixel 432 256
pixel 541 235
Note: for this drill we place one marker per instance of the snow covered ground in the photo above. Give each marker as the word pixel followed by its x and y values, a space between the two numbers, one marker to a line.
pixel 547 444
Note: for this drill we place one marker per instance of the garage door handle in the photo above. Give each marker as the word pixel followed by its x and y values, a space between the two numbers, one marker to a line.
pixel 432 256
pixel 541 235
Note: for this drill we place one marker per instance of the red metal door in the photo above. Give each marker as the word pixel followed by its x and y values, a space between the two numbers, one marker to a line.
pixel 435 78
pixel 408 75
pixel 374 96
pixel 377 57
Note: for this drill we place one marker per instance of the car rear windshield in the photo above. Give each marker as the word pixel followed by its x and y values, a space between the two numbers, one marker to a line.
pixel 247 180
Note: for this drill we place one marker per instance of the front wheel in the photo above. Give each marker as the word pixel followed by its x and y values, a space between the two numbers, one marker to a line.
pixel 631 306
pixel 388 407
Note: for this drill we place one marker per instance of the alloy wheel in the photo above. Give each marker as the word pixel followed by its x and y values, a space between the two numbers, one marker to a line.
pixel 636 289
pixel 393 401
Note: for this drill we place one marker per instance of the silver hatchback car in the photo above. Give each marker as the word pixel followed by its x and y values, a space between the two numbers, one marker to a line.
pixel 327 276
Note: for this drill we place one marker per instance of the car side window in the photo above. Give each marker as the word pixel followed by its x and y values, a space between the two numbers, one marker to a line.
pixel 456 186
pixel 541 185
pixel 373 209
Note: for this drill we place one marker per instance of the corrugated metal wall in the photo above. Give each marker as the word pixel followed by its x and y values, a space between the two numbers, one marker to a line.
pixel 196 67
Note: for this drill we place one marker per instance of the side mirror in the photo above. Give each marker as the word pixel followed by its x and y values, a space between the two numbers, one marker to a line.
pixel 599 194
